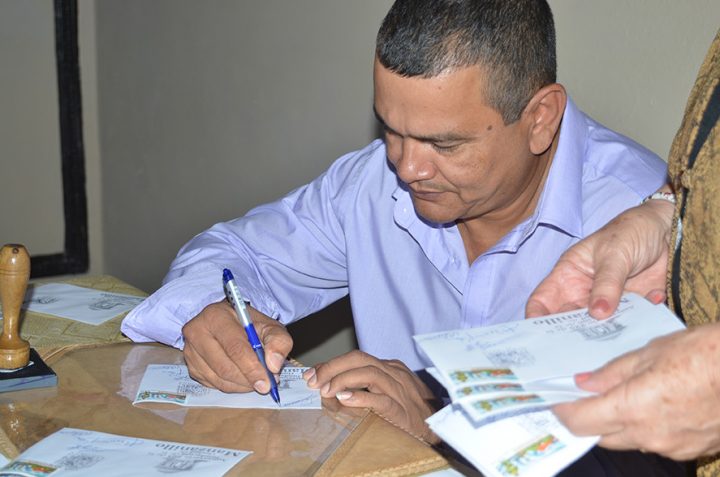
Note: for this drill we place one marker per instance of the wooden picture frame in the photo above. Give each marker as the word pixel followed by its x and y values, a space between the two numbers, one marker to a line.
pixel 75 257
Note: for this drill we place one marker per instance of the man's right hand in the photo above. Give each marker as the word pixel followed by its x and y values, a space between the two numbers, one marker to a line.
pixel 218 354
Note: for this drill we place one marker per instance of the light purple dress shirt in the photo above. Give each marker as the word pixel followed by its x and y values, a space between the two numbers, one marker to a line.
pixel 354 230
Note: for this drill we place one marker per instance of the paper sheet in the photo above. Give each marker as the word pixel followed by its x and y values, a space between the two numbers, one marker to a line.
pixel 75 453
pixel 78 303
pixel 171 383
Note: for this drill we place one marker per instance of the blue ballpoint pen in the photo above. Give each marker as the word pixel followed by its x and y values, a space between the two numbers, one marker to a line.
pixel 233 295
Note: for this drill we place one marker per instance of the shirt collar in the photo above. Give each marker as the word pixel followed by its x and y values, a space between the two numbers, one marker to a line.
pixel 560 203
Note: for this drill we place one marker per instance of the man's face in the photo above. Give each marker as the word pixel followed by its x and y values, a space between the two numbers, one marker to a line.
pixel 452 150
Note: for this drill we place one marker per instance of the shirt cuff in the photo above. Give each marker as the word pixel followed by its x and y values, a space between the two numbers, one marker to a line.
pixel 161 316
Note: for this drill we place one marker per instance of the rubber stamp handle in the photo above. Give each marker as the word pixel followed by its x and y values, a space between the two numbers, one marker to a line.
pixel 14 276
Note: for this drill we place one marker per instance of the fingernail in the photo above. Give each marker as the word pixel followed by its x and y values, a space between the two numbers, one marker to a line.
pixel 276 361
pixel 261 386
pixel 656 297
pixel 601 305
pixel 343 395
pixel 310 377
pixel 325 389
pixel 582 377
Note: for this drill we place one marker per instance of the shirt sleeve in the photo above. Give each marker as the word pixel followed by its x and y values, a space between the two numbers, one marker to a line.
pixel 288 258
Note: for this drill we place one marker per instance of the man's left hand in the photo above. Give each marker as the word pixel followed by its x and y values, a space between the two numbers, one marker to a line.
pixel 387 387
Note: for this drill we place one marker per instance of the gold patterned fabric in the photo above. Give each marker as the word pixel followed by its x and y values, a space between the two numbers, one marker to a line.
pixel 694 166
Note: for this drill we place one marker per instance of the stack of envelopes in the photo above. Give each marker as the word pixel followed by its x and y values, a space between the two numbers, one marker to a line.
pixel 503 379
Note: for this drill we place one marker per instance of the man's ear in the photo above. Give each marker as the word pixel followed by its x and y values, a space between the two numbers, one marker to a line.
pixel 543 114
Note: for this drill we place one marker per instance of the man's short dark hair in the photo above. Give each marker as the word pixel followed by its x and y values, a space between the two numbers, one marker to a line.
pixel 512 40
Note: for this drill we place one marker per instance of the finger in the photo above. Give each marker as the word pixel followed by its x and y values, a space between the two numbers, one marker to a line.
pixel 569 306
pixel 592 416
pixel 619 441
pixel 324 372
pixel 233 359
pixel 310 377
pixel 391 377
pixel 374 379
pixel 380 403
pixel 201 372
pixel 602 414
pixel 197 367
pixel 617 371
pixel 216 337
pixel 407 378
pixel 643 434
pixel 656 296
pixel 535 307
pixel 206 355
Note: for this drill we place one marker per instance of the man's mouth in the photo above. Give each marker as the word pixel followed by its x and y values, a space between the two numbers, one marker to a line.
pixel 427 194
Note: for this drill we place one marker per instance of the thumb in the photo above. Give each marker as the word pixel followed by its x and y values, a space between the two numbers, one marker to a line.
pixel 608 284
pixel 275 338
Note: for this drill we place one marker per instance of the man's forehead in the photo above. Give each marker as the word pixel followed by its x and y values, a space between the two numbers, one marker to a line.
pixel 451 91
pixel 476 69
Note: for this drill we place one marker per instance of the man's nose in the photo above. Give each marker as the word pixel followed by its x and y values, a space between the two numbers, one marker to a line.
pixel 414 161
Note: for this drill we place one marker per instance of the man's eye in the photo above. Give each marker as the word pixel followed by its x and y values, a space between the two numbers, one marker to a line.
pixel 445 148
pixel 389 132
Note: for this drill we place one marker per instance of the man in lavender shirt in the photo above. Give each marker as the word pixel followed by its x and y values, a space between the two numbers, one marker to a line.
pixel 486 174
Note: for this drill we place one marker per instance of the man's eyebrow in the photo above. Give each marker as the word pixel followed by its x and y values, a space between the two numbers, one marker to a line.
pixel 379 118
pixel 438 138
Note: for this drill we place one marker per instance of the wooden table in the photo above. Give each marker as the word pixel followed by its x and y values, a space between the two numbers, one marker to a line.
pixel 98 377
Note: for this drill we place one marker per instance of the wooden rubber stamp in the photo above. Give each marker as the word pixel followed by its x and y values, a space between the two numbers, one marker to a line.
pixel 20 366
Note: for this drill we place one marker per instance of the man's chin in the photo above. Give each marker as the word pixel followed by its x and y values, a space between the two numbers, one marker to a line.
pixel 433 216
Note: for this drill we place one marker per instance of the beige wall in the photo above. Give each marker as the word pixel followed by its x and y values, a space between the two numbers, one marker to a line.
pixel 631 63
pixel 29 135
pixel 198 111
pixel 208 108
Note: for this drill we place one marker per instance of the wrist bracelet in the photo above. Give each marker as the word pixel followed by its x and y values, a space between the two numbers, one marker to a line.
pixel 666 196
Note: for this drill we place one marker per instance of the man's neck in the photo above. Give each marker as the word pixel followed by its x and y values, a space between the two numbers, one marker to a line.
pixel 479 234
